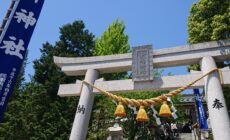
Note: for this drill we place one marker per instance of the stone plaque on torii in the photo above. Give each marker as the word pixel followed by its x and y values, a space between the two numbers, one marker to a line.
pixel 205 54
pixel 142 63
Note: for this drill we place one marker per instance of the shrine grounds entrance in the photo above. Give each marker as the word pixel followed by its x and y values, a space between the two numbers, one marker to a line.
pixel 142 61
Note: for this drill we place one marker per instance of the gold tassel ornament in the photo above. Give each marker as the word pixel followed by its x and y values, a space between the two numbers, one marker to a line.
pixel 142 115
pixel 165 110
pixel 120 110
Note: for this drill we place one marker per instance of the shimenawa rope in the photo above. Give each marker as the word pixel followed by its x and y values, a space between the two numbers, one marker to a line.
pixel 151 101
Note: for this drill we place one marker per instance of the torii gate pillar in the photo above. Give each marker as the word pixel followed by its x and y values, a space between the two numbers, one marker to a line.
pixel 84 108
pixel 178 56
pixel 216 103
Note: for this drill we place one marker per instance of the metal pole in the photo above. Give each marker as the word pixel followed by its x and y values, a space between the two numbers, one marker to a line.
pixel 215 100
pixel 84 108
pixel 8 17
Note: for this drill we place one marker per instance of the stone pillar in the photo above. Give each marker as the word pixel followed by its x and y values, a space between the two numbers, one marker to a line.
pixel 84 108
pixel 215 100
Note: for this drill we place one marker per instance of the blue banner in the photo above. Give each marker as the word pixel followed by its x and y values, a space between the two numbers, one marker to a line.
pixel 13 45
pixel 200 110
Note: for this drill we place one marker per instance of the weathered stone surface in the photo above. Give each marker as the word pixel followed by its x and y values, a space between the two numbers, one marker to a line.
pixel 159 83
pixel 169 57
pixel 217 108
pixel 184 55
pixel 84 108
pixel 142 63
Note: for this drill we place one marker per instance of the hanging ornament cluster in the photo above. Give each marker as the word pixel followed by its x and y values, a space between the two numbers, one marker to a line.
pixel 142 116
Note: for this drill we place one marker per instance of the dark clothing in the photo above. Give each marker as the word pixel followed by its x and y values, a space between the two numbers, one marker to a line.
pixel 186 129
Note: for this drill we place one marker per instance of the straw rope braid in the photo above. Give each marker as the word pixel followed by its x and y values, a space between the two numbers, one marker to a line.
pixel 151 101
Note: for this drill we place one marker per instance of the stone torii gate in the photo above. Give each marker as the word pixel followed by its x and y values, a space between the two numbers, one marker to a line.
pixel 141 62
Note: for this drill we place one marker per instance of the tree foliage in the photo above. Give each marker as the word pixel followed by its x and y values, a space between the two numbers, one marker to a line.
pixel 113 41
pixel 210 20
pixel 7 126
pixel 38 113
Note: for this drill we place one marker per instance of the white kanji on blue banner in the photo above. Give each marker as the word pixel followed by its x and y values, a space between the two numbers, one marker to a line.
pixel 12 48
pixel 13 45
pixel 28 19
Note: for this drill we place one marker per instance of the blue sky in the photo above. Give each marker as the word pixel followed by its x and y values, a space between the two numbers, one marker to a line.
pixel 160 23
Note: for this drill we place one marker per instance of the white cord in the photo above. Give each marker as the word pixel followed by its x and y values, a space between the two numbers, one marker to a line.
pixel 173 109
pixel 158 121
pixel 133 108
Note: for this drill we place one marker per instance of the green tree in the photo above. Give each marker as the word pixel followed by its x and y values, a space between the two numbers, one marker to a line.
pixel 39 113
pixel 10 121
pixel 113 41
pixel 210 20
pixel 75 41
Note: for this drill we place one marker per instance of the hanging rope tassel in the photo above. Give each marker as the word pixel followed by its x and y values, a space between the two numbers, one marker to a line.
pixel 165 110
pixel 120 110
pixel 142 115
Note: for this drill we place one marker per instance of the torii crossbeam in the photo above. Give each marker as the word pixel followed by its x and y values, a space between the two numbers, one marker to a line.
pixel 206 54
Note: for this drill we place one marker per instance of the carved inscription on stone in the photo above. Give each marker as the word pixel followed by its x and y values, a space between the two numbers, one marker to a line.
pixel 225 51
pixel 142 64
